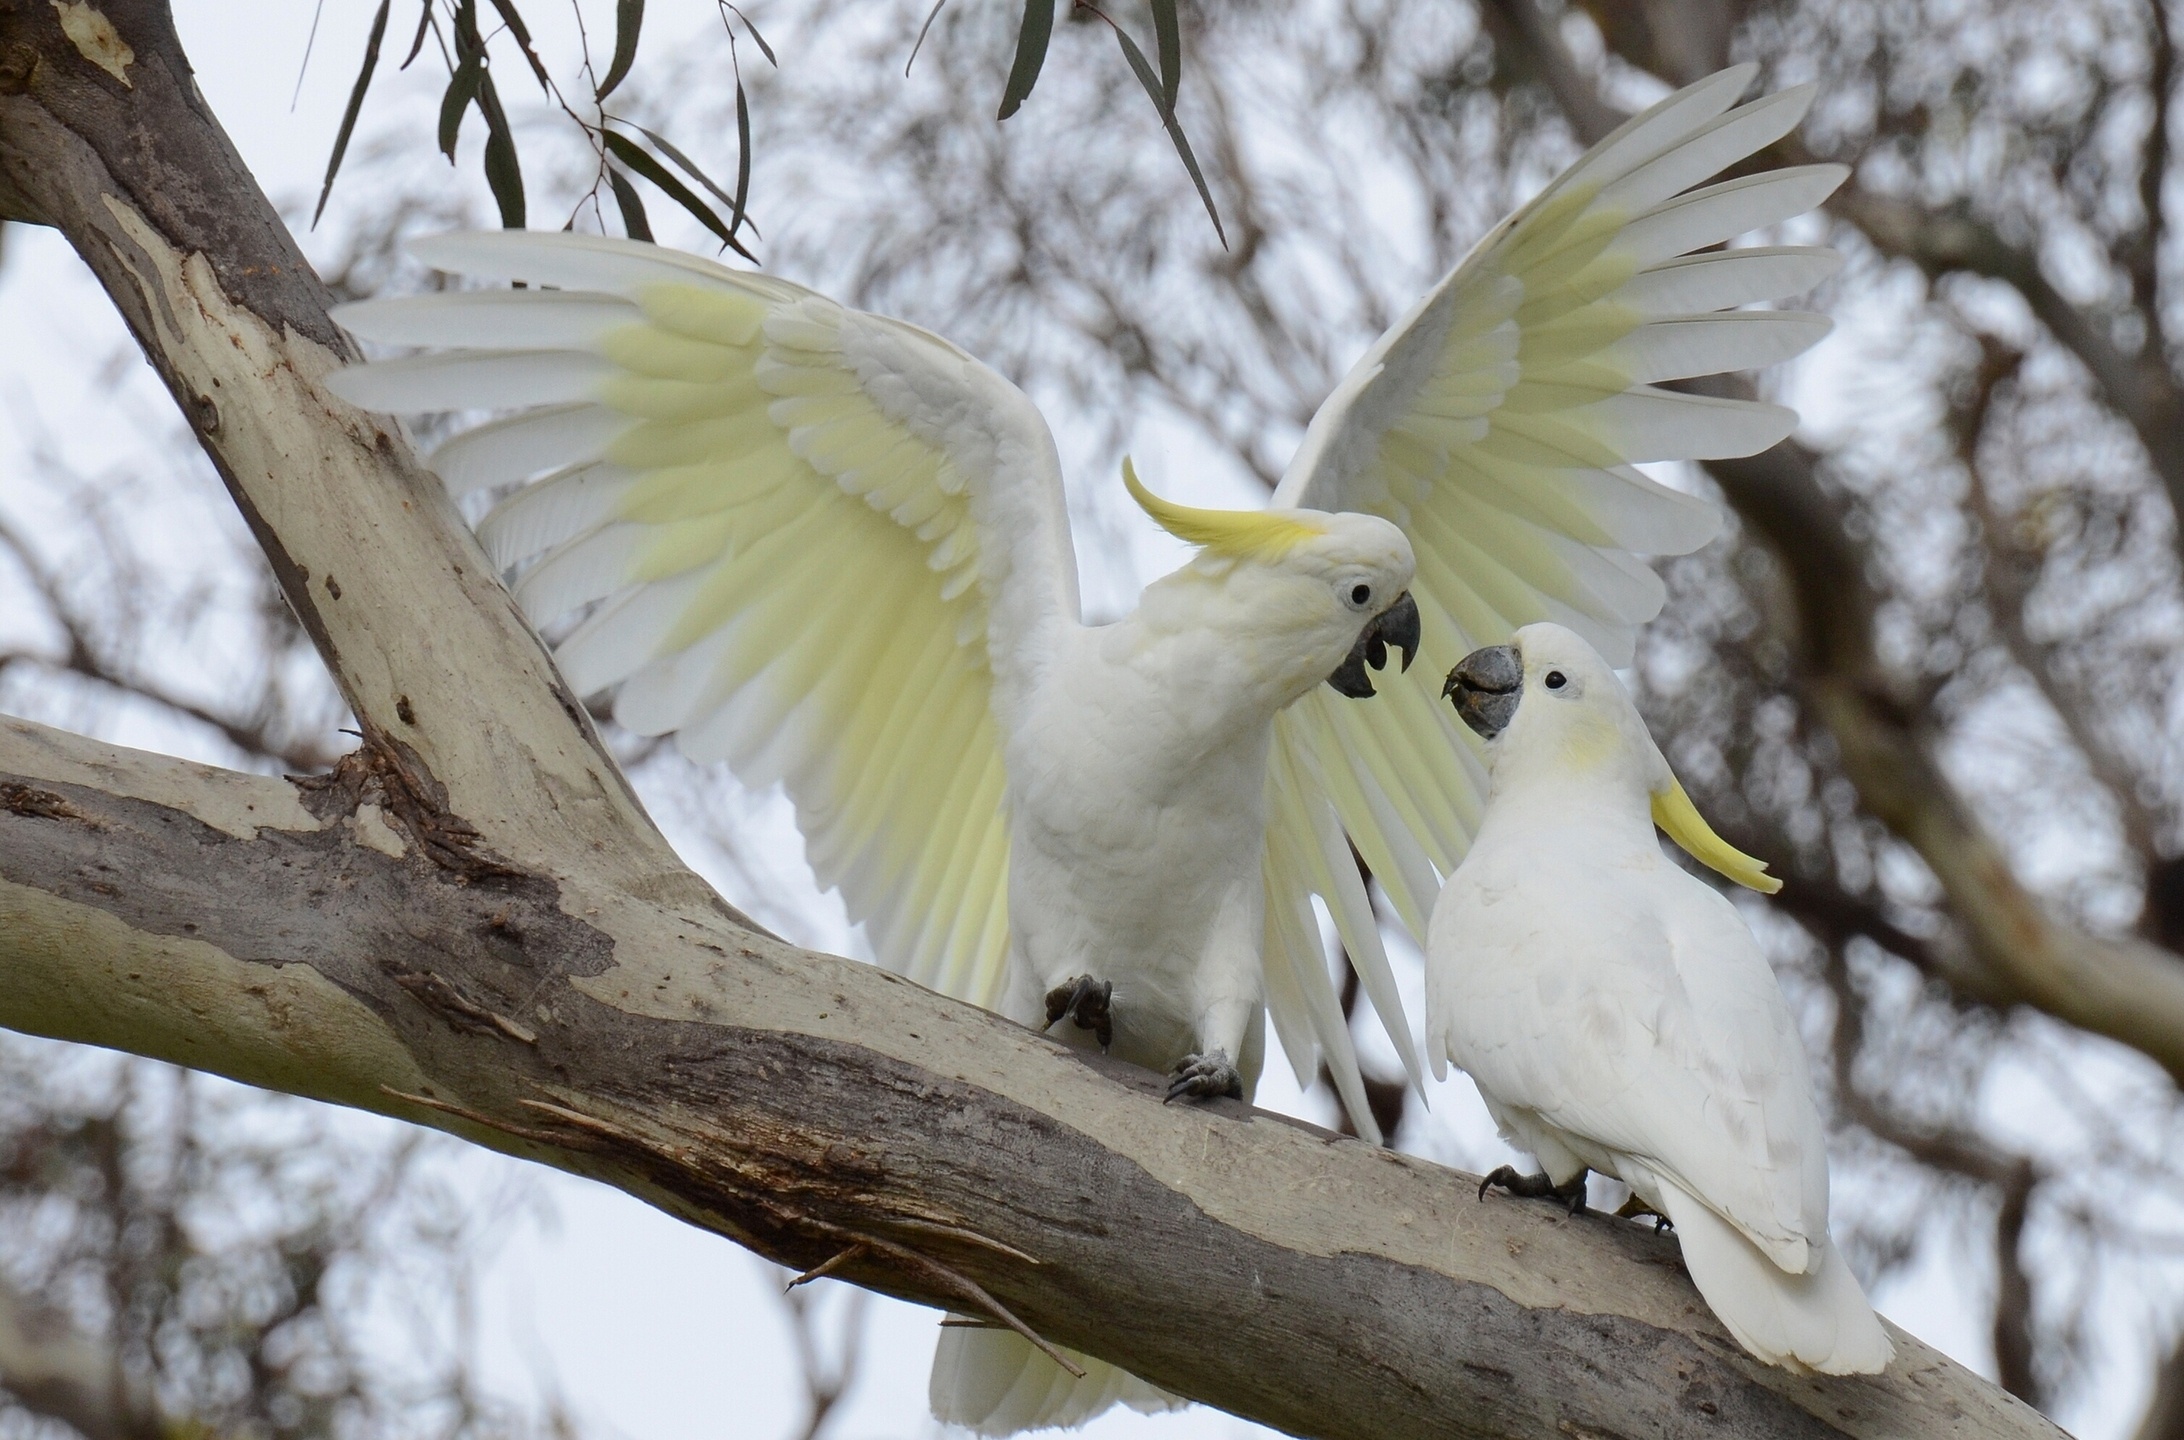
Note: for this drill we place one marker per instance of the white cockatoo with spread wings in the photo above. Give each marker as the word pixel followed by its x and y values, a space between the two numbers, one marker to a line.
pixel 832 550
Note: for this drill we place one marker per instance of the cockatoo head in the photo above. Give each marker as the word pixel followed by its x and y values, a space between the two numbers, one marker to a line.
pixel 1552 711
pixel 1318 596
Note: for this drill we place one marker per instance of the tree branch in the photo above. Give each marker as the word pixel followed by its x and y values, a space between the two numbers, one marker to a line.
pixel 2125 988
pixel 805 1105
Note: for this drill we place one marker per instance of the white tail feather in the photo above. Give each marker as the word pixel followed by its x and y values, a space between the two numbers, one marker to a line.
pixel 1815 1322
pixel 995 1382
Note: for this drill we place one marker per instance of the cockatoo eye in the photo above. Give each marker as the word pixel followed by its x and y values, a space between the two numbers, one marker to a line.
pixel 1361 595
pixel 1556 680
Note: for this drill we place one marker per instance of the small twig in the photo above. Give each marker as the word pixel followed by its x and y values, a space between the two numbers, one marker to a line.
pixel 827 1267
pixel 964 1287
pixel 585 1122
pixel 941 1229
pixel 476 1117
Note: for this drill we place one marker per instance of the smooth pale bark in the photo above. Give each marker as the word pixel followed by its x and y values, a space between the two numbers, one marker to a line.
pixel 471 924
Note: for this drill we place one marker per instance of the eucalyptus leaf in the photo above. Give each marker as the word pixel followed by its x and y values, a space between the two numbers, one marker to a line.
pixel 638 159
pixel 1031 48
pixel 629 19
pixel 513 19
pixel 503 175
pixel 356 104
pixel 1151 82
pixel 634 223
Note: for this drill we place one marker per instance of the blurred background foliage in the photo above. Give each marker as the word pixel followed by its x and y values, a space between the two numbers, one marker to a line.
pixel 1934 670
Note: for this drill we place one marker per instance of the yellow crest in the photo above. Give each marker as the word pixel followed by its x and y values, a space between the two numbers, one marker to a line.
pixel 1674 812
pixel 1233 534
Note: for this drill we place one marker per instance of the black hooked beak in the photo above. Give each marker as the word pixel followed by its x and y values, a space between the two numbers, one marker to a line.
pixel 1398 626
pixel 1485 687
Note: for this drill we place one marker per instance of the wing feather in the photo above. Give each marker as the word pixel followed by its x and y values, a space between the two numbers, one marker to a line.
pixel 1498 423
pixel 828 545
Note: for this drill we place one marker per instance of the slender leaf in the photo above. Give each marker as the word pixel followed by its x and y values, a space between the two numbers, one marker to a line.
pixel 930 16
pixel 630 153
pixel 502 174
pixel 634 223
pixel 417 42
pixel 513 19
pixel 1151 82
pixel 462 88
pixel 763 47
pixel 1168 44
pixel 743 155
pixel 356 104
pixel 689 167
pixel 629 18
pixel 1031 48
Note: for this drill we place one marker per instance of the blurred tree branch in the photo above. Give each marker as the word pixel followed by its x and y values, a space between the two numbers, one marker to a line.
pixel 52 1369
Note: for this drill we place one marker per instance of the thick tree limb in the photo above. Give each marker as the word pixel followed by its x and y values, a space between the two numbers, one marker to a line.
pixel 471 924
pixel 807 1105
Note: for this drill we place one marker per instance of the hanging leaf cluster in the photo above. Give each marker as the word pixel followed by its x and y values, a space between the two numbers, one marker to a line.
pixel 628 152
pixel 1036 32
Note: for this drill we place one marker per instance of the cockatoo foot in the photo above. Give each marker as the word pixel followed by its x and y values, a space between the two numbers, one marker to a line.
pixel 1204 1076
pixel 1570 1193
pixel 1085 1001
pixel 1637 1209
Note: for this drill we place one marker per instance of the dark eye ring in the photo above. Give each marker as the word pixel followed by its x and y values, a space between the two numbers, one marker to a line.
pixel 1361 594
pixel 1556 680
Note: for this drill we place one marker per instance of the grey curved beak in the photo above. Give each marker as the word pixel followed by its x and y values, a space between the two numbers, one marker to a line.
pixel 1485 687
pixel 1398 626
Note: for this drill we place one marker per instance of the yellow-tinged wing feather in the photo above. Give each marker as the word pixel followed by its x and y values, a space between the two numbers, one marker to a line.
pixel 1498 424
pixel 819 544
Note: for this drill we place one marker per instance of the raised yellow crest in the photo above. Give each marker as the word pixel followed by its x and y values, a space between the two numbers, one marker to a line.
pixel 1234 534
pixel 1674 812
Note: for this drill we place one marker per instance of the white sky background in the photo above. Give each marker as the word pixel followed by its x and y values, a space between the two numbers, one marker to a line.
pixel 647 1328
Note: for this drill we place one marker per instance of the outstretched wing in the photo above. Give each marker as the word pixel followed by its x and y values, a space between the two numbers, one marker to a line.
pixel 1498 424
pixel 821 545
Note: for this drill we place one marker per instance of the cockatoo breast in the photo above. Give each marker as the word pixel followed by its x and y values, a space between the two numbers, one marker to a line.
pixel 1137 810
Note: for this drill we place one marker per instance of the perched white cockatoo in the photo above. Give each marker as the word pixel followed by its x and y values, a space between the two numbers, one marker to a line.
pixel 1617 1014
pixel 832 550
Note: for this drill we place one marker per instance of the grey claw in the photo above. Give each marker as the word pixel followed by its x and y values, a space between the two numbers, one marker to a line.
pixel 1570 1193
pixel 1087 1002
pixel 1204 1076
